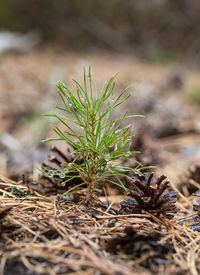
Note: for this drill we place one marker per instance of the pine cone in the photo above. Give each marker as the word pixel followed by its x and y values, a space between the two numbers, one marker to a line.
pixel 149 193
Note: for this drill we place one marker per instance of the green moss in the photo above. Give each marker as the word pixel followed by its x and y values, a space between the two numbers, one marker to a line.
pixel 19 193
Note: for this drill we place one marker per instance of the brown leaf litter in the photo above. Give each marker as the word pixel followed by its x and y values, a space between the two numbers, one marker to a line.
pixel 48 235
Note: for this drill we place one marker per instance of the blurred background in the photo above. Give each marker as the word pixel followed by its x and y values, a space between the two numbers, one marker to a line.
pixel 154 44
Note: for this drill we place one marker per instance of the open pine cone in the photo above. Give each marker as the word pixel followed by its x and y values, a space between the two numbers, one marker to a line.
pixel 149 194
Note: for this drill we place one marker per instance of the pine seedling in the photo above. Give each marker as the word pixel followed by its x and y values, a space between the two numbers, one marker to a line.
pixel 104 143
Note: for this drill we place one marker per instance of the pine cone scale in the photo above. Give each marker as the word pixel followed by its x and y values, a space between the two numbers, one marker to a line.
pixel 150 194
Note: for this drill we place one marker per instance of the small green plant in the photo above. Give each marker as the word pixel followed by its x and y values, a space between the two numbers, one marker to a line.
pixel 103 144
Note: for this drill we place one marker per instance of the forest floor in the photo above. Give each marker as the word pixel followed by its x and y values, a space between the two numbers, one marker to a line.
pixel 41 231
